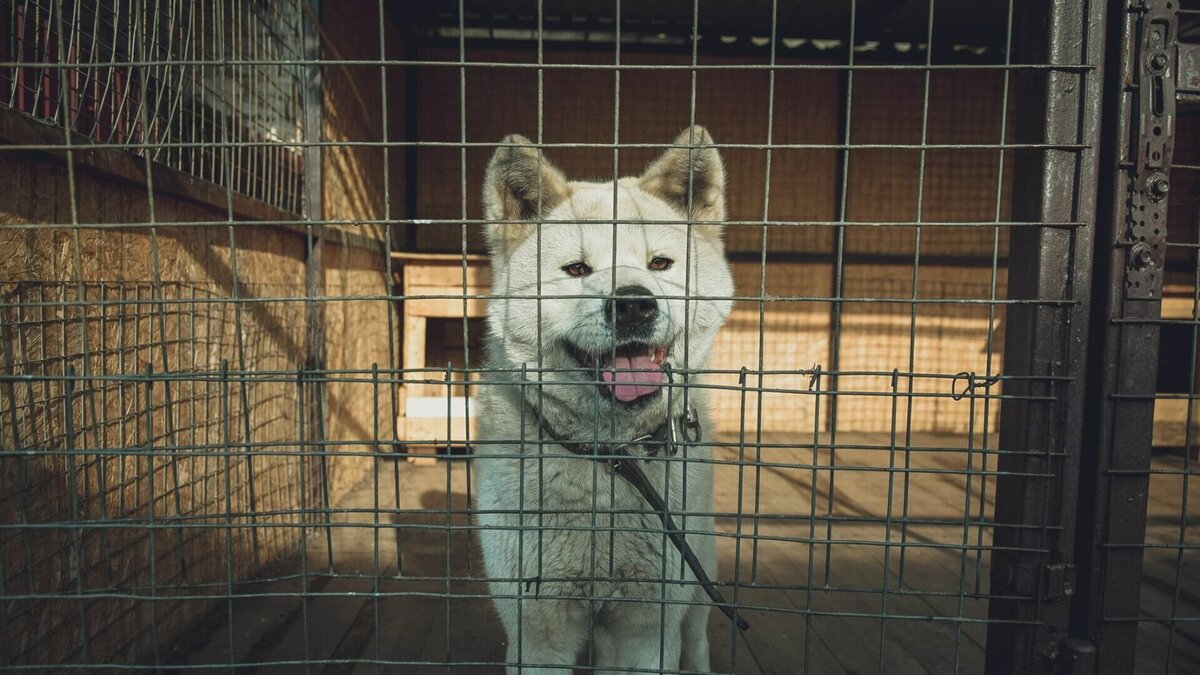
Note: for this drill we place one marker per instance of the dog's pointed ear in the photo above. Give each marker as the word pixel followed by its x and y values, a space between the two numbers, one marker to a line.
pixel 692 168
pixel 520 186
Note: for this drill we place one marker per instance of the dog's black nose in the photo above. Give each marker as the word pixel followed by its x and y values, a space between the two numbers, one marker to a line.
pixel 632 308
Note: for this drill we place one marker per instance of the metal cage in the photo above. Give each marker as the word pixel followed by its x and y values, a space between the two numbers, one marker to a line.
pixel 243 301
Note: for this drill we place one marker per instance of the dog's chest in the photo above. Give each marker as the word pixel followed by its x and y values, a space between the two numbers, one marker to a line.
pixel 577 519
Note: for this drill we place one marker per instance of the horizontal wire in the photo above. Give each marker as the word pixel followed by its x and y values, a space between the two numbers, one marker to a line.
pixel 491 145
pixel 1056 67
pixel 361 222
pixel 349 298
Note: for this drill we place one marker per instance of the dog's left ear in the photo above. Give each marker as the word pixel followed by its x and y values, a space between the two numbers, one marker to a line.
pixel 692 168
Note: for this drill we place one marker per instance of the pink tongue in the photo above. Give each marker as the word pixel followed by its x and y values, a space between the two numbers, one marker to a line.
pixel 633 378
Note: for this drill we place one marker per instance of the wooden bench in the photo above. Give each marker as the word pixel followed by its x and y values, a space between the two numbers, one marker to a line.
pixel 423 406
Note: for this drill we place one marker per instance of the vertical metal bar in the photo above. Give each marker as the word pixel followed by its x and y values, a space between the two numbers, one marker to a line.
pixel 122 395
pixel 151 528
pixel 314 268
pixel 846 100
pixel 541 448
pixel 762 293
pixel 738 516
pixel 991 331
pixel 689 248
pixel 1045 344
pixel 916 285
pixel 389 278
pixel 100 420
pixel 302 431
pixel 76 552
pixel 612 287
pixel 462 102
pixel 1122 373
pixel 227 442
pixel 884 590
pixel 814 386
pixel 448 551
pixel 964 554
pixel 375 513
pixel 520 575
pixel 466 359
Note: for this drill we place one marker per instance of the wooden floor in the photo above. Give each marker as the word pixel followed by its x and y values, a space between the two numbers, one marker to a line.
pixel 360 615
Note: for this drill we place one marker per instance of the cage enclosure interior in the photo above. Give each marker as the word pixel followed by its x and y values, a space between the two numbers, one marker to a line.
pixel 269 272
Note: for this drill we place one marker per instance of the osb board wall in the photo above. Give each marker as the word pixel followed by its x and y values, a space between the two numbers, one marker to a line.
pixel 947 185
pixel 875 337
pixel 358 100
pixel 185 325
pixel 362 185
pixel 359 334
pixel 654 107
pixel 888 107
pixel 951 336
pixel 794 336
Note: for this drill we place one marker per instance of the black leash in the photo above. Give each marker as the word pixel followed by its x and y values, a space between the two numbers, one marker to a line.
pixel 626 466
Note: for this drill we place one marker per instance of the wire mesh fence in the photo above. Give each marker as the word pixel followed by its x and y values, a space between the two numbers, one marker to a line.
pixel 141 76
pixel 304 367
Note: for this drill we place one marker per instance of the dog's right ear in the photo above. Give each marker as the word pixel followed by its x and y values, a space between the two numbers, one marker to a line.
pixel 520 186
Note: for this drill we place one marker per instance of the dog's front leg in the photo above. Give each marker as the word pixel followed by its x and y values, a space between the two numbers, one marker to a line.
pixel 694 639
pixel 550 637
pixel 643 637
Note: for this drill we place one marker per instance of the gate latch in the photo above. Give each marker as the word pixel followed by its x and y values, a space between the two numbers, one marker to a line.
pixel 1146 234
pixel 1060 581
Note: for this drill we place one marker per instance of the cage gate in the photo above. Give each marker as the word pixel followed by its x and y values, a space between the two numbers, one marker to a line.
pixel 951 418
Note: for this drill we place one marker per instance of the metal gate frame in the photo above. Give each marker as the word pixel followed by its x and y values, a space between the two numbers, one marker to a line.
pixel 1076 424
pixel 1137 146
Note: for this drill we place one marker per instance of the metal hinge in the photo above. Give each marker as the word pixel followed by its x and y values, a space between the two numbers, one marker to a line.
pixel 1059 581
pixel 1075 656
pixel 1154 135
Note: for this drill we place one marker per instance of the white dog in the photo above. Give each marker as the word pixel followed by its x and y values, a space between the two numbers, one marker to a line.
pixel 585 316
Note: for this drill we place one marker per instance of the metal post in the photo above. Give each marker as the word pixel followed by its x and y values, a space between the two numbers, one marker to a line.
pixel 1129 264
pixel 314 215
pixel 1045 343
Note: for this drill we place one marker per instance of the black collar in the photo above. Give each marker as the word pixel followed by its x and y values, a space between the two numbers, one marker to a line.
pixel 662 438
pixel 624 464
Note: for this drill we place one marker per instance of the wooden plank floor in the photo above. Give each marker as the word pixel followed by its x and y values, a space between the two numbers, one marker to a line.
pixel 403 586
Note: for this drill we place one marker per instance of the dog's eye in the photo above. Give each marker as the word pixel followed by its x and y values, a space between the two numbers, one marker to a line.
pixel 660 264
pixel 577 269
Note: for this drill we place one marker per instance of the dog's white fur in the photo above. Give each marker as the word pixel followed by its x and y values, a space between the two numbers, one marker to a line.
pixel 572 552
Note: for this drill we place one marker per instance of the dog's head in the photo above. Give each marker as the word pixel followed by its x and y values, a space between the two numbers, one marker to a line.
pixel 601 284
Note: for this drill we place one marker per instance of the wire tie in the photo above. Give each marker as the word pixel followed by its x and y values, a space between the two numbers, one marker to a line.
pixel 969 389
pixel 531 581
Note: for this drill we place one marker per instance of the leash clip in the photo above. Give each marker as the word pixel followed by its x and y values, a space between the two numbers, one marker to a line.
pixel 691 421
